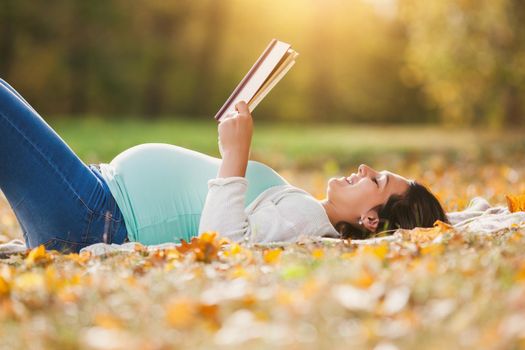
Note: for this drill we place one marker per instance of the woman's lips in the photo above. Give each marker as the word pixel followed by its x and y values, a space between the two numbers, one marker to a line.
pixel 352 179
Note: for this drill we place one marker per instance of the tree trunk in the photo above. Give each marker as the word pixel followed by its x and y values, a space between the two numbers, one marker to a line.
pixel 206 67
pixel 78 51
pixel 7 37
pixel 322 93
pixel 514 115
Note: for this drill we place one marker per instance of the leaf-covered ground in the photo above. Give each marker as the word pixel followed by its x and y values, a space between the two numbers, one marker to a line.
pixel 457 291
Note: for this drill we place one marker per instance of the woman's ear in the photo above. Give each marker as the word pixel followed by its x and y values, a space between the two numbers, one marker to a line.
pixel 370 220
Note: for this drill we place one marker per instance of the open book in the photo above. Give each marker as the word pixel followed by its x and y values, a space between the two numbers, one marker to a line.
pixel 272 65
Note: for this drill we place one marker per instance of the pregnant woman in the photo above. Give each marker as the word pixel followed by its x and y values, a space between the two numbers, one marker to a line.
pixel 156 193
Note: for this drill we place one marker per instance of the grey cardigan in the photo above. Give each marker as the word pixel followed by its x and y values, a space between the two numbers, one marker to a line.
pixel 279 214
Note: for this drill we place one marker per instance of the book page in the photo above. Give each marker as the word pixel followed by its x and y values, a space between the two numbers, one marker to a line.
pixel 278 73
pixel 256 77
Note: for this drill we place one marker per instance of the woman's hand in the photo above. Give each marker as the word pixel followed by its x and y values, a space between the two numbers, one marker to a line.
pixel 235 137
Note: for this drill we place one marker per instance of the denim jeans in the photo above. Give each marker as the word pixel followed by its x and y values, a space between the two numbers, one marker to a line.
pixel 58 200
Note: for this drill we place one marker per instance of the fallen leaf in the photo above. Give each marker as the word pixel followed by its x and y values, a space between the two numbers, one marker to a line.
pixel 108 321
pixel 272 256
pixel 180 313
pixel 516 203
pixel 38 255
pixel 4 287
pixel 204 247
pixel 317 253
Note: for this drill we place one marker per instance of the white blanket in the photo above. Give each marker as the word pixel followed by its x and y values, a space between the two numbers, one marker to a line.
pixel 479 217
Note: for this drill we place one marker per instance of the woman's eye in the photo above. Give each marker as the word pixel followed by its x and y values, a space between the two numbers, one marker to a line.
pixel 375 180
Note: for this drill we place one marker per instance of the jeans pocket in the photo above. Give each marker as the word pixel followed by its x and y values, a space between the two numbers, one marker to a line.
pixel 63 246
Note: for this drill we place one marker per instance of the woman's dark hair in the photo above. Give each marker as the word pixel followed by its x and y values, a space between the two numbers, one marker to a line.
pixel 417 207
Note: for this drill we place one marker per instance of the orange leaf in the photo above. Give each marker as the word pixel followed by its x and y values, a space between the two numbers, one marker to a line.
pixel 364 280
pixel 205 247
pixel 38 255
pixel 433 249
pixel 272 256
pixel 180 313
pixel 108 321
pixel 443 226
pixel 516 203
pixel 4 287
pixel 380 250
pixel 317 253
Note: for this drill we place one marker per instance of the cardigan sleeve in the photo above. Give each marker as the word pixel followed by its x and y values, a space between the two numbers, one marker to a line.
pixel 224 212
pixel 280 218
pixel 224 207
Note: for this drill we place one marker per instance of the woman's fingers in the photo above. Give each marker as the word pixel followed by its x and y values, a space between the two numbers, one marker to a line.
pixel 230 115
pixel 242 108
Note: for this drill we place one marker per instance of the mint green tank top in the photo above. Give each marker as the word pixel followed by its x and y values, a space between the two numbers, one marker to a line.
pixel 161 189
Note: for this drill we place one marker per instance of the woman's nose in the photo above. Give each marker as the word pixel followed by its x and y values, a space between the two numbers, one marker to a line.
pixel 362 170
pixel 365 170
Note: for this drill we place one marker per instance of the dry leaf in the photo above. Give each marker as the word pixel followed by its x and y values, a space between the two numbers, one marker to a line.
pixel 4 287
pixel 38 255
pixel 205 247
pixel 317 253
pixel 516 203
pixel 443 226
pixel 272 256
pixel 180 313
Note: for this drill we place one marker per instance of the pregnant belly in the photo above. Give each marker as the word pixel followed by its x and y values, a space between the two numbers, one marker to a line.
pixel 165 187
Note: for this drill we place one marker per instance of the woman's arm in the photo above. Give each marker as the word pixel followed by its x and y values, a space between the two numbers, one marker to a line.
pixel 235 137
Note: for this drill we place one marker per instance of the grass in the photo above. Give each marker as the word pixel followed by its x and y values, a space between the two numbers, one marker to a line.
pixel 293 145
pixel 432 289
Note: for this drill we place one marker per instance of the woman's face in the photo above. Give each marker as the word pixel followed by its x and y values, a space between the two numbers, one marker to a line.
pixel 354 197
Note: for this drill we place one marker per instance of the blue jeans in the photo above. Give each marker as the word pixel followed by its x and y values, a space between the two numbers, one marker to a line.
pixel 58 200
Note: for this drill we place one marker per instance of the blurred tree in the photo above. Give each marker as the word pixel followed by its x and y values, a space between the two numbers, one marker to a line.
pixel 469 57
pixel 153 57
pixel 205 64
pixel 322 93
pixel 79 48
pixel 163 22
pixel 7 36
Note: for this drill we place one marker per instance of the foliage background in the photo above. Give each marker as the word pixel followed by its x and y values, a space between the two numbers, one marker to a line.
pixel 374 61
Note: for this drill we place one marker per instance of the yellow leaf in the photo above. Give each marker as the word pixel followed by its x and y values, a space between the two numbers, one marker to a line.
pixel 210 313
pixel 204 247
pixel 520 274
pixel 81 258
pixel 421 234
pixel 284 297
pixel 364 280
pixel 67 295
pixel 443 226
pixel 348 255
pixel 433 249
pixel 272 256
pixel 108 321
pixel 233 249
pixel 317 253
pixel 239 272
pixel 4 287
pixel 29 281
pixel 516 203
pixel 310 288
pixel 139 248
pixel 180 313
pixel 37 255
pixel 380 250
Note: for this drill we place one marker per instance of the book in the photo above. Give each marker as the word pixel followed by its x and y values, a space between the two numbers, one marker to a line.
pixel 273 64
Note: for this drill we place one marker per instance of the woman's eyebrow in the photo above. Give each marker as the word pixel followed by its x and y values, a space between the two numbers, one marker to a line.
pixel 387 179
